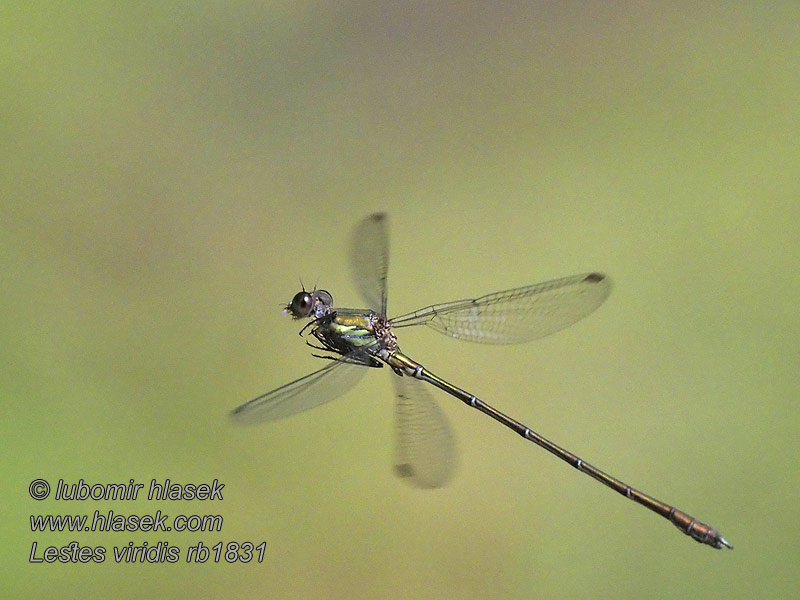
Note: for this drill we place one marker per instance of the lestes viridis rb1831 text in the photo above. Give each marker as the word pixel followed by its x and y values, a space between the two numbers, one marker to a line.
pixel 358 338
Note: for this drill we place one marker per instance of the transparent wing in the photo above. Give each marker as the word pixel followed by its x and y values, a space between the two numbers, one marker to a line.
pixel 316 388
pixel 369 256
pixel 425 453
pixel 517 315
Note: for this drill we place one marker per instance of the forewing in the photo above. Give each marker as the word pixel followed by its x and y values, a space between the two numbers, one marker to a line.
pixel 316 388
pixel 425 452
pixel 517 315
pixel 369 257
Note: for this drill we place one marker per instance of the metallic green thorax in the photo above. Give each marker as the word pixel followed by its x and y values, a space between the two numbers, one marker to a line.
pixel 345 332
pixel 357 331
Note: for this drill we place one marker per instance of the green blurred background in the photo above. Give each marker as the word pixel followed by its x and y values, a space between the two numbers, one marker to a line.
pixel 169 172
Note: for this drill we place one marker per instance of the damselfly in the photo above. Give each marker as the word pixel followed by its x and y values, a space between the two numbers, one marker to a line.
pixel 356 338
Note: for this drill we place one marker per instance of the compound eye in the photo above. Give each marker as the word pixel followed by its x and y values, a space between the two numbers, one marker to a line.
pixel 301 304
pixel 324 298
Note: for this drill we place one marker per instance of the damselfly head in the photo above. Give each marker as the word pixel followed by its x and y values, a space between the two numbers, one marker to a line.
pixel 309 304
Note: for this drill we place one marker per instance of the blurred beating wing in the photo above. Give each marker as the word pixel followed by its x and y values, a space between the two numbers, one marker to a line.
pixel 316 388
pixel 369 257
pixel 426 453
pixel 517 315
